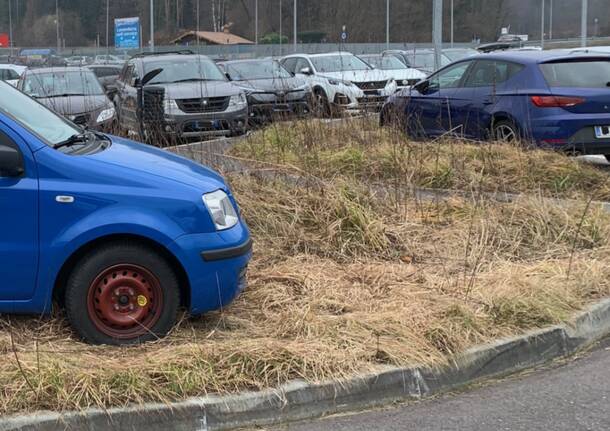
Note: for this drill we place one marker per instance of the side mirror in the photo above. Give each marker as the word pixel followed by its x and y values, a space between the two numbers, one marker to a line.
pixel 423 86
pixel 11 162
pixel 306 71
pixel 148 77
pixel 228 76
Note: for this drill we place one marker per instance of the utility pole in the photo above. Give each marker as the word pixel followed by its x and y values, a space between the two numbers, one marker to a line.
pixel 280 27
pixel 295 25
pixel 387 24
pixel 152 26
pixel 10 26
pixel 542 27
pixel 256 22
pixel 451 23
pixel 57 26
pixel 551 22
pixel 583 23
pixel 107 27
pixel 437 32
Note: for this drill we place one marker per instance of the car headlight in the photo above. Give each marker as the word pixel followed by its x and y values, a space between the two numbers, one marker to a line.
pixel 106 115
pixel 238 102
pixel 170 105
pixel 221 210
pixel 406 82
pixel 339 82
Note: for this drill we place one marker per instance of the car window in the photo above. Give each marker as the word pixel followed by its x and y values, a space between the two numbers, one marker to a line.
pixel 42 121
pixel 256 69
pixel 193 68
pixel 488 73
pixel 289 64
pixel 62 83
pixel 450 77
pixel 338 63
pixel 580 74
pixel 301 64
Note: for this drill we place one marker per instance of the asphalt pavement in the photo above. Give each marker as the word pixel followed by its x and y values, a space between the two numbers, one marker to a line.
pixel 572 395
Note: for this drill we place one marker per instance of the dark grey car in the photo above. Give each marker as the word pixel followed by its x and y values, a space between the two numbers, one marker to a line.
pixel 272 91
pixel 189 99
pixel 73 92
pixel 107 74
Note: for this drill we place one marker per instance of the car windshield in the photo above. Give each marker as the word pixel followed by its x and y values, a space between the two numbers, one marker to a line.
pixel 338 63
pixel 50 127
pixel 58 83
pixel 387 62
pixel 185 69
pixel 257 70
pixel 426 60
pixel 582 74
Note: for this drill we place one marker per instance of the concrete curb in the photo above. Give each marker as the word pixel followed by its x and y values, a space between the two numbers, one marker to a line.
pixel 298 400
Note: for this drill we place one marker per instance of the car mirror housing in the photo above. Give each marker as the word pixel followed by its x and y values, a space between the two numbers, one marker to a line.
pixel 423 87
pixel 306 71
pixel 148 77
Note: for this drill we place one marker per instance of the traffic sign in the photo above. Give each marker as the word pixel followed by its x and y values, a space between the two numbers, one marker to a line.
pixel 127 33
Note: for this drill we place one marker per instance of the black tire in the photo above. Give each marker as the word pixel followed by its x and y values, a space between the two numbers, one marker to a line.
pixel 505 131
pixel 82 285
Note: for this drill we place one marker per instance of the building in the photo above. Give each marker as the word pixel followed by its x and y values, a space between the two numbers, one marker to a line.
pixel 211 38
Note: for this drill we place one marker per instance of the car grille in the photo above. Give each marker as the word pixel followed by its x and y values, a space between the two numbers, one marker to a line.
pixel 371 85
pixel 206 104
pixel 206 126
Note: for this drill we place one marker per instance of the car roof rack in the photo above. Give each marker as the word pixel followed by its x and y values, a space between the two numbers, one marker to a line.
pixel 177 52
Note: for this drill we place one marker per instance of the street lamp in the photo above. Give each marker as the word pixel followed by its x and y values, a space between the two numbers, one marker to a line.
pixel 451 23
pixel 256 22
pixel 437 32
pixel 542 27
pixel 295 25
pixel 583 23
pixel 152 26
pixel 57 25
pixel 387 24
pixel 10 27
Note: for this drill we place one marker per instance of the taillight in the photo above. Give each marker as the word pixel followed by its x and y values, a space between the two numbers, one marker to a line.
pixel 556 101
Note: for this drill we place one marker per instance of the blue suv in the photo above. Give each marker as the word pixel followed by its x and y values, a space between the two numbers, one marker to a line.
pixel 121 234
pixel 550 99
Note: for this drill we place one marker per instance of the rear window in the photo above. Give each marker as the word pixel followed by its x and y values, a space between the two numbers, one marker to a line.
pixel 584 74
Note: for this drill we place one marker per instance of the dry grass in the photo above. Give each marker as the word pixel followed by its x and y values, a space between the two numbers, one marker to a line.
pixel 342 283
pixel 361 150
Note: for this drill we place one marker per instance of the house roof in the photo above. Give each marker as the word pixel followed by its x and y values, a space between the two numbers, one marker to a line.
pixel 215 37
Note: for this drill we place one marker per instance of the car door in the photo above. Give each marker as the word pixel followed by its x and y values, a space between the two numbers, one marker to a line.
pixel 127 97
pixel 483 89
pixel 19 227
pixel 429 105
pixel 457 104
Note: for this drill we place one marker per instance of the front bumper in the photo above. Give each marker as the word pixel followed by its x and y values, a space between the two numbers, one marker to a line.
pixel 265 112
pixel 216 265
pixel 187 126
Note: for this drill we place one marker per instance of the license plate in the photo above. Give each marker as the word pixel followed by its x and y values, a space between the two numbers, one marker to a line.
pixel 602 132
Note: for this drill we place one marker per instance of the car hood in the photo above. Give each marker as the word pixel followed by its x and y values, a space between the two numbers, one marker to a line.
pixel 72 105
pixel 133 156
pixel 358 75
pixel 401 74
pixel 271 85
pixel 198 90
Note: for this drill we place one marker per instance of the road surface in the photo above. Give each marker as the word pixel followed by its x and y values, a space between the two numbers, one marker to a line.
pixel 574 395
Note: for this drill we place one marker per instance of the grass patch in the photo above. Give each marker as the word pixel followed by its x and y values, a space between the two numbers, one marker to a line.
pixel 361 150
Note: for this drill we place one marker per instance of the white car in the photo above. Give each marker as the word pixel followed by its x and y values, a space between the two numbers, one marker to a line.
pixel 342 80
pixel 404 75
pixel 108 59
pixel 11 73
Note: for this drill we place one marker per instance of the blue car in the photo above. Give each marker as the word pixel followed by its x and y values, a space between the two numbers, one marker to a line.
pixel 549 99
pixel 121 234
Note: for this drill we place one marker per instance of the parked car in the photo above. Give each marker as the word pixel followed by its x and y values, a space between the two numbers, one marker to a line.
pixel 551 100
pixel 121 234
pixel 341 80
pixel 455 54
pixel 73 92
pixel 109 59
pixel 79 60
pixel 198 100
pixel 422 59
pixel 271 90
pixel 11 73
pixel 107 74
pixel 404 75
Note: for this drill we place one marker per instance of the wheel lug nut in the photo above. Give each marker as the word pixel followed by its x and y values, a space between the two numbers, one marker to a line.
pixel 131 292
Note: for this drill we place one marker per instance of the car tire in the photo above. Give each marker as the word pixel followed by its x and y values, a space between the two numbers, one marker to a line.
pixel 122 293
pixel 321 105
pixel 505 131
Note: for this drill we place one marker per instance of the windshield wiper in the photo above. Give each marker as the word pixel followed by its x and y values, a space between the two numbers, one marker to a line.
pixel 62 95
pixel 77 138
pixel 194 80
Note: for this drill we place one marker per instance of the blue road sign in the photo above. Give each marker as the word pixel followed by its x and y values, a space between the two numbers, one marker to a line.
pixel 127 33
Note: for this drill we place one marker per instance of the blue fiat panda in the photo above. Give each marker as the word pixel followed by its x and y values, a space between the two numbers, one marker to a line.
pixel 119 233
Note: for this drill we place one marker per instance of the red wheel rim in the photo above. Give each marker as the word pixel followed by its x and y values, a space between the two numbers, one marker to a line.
pixel 125 301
